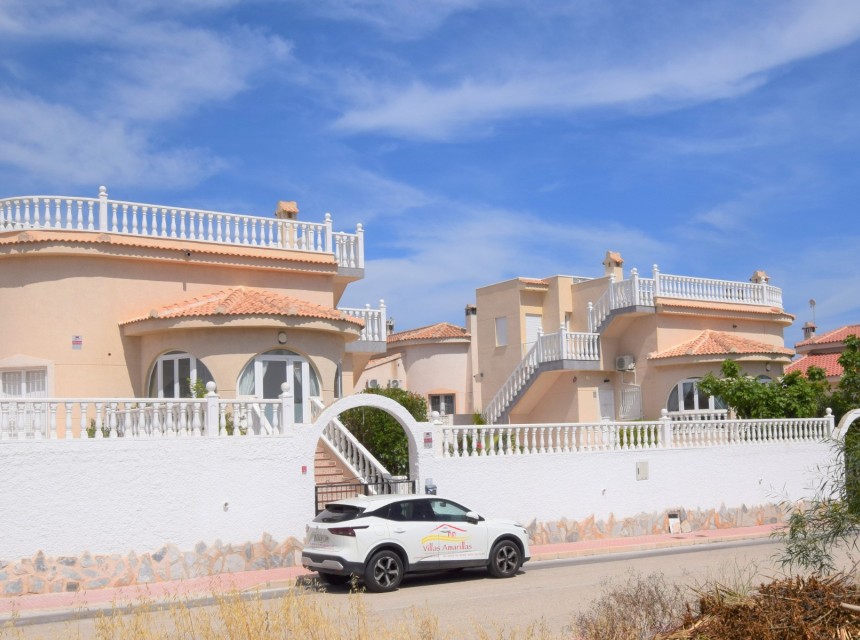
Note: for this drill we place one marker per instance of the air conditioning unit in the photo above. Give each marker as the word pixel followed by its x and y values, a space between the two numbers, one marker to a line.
pixel 373 384
pixel 625 363
pixel 395 384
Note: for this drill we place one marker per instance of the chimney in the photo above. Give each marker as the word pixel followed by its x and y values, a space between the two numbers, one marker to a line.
pixel 389 326
pixel 759 277
pixel 613 265
pixel 287 210
pixel 809 330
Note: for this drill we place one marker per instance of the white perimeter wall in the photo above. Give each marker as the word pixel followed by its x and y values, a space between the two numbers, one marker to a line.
pixel 115 496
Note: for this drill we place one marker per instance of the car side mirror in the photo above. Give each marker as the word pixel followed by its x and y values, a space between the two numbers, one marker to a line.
pixel 473 517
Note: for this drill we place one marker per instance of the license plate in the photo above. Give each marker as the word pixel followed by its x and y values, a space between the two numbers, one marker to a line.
pixel 319 538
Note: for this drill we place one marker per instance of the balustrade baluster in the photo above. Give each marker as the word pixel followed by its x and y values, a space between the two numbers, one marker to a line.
pixel 156 431
pixel 111 416
pixel 67 420
pixel 51 427
pixel 99 420
pixel 276 420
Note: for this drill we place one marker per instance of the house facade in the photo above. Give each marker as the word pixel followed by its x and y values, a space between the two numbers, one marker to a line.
pixel 435 362
pixel 620 346
pixel 105 298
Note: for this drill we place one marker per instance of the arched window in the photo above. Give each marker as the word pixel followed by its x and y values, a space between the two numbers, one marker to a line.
pixel 263 376
pixel 686 396
pixel 178 375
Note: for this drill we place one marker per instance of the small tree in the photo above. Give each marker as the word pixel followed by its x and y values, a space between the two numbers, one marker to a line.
pixel 791 396
pixel 381 433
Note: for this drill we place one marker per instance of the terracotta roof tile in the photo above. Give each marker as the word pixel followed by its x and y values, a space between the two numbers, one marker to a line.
pixel 146 242
pixel 827 361
pixel 831 337
pixel 439 331
pixel 714 343
pixel 246 302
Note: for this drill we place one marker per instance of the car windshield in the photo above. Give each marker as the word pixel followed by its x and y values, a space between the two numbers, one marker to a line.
pixel 339 513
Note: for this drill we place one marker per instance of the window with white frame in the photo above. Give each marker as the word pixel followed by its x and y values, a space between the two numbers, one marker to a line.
pixel 264 376
pixel 501 331
pixel 443 403
pixel 177 374
pixel 24 383
pixel 686 396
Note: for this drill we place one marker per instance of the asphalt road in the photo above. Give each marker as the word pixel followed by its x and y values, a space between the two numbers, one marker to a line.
pixel 550 592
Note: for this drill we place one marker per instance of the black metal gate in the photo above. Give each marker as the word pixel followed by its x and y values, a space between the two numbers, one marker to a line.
pixel 325 493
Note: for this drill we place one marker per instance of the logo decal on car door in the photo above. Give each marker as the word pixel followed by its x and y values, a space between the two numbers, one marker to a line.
pixel 447 537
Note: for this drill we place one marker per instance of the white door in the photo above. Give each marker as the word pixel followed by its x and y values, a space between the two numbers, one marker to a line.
pixel 533 326
pixel 271 371
pixel 457 538
pixel 606 398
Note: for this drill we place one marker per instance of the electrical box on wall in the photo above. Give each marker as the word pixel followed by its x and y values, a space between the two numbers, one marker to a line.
pixel 642 470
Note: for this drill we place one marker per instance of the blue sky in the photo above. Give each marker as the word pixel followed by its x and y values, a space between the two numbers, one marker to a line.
pixel 475 140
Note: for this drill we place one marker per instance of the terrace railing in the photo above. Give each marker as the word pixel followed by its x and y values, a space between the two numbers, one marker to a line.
pixel 195 225
pixel 375 322
pixel 637 291
pixel 211 416
pixel 545 439
pixel 563 345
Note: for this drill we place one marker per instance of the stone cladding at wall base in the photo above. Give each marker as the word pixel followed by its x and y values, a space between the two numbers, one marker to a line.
pixel 42 574
pixel 645 524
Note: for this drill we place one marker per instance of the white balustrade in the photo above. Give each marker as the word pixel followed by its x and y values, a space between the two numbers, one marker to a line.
pixel 640 292
pixel 194 225
pixel 549 439
pixel 99 418
pixel 375 322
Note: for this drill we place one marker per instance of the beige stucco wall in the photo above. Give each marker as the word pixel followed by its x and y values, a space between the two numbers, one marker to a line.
pixel 439 368
pixel 48 294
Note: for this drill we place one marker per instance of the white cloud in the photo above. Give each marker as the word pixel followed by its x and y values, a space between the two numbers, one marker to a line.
pixel 457 247
pixel 60 145
pixel 719 64
pixel 402 19
pixel 133 75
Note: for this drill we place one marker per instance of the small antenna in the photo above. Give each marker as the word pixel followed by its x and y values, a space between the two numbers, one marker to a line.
pixel 812 306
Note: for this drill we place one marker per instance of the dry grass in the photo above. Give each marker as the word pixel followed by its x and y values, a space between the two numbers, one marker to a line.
pixel 236 616
pixel 636 609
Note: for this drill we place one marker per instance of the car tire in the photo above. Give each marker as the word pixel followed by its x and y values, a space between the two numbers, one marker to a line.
pixel 384 572
pixel 334 579
pixel 505 559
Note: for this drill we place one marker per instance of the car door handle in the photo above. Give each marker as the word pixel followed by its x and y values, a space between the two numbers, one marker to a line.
pixel 400 531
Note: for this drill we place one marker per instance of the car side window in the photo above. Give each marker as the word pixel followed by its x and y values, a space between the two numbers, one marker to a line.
pixel 421 511
pixel 449 511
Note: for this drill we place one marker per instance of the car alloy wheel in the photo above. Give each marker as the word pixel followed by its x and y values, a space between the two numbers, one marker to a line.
pixel 384 572
pixel 504 559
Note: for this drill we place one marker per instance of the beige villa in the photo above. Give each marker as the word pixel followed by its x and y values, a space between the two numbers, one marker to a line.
pixel 581 349
pixel 113 299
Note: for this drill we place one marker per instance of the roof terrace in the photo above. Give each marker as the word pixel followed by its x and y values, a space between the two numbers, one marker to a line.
pixel 102 214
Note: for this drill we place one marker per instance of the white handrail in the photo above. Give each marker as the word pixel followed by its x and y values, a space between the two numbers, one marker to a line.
pixel 354 455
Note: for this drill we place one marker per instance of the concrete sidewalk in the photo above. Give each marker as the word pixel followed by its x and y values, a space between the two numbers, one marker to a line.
pixel 52 607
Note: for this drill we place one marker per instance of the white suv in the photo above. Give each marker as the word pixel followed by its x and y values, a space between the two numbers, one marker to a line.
pixel 380 538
